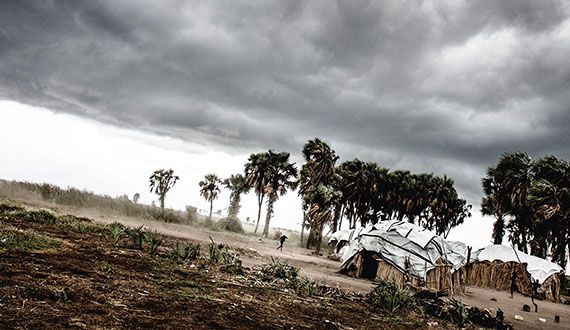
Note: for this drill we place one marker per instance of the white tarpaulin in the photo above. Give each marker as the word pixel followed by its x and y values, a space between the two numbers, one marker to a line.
pixel 539 269
pixel 406 246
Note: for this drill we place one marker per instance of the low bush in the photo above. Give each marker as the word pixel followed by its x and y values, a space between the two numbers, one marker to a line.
pixel 391 296
pixel 154 239
pixel 231 223
pixel 184 253
pixel 221 254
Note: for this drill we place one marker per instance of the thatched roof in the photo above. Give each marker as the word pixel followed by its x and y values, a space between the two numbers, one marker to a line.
pixel 539 269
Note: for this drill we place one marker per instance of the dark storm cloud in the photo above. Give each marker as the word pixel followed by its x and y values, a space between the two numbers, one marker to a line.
pixel 430 86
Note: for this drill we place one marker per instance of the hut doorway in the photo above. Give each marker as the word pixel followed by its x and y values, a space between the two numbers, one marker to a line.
pixel 369 265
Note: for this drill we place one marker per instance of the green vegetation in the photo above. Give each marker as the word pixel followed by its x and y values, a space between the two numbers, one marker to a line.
pixel 271 174
pixel 392 296
pixel 184 253
pixel 230 223
pixel 161 181
pixel 210 189
pixel 12 238
pixel 237 186
pixel 153 239
pixel 530 199
pixel 137 236
pixel 227 258
pixel 84 199
pixel 116 232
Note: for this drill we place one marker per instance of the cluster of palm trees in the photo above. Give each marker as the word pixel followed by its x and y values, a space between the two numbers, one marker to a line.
pixel 360 192
pixel 270 174
pixel 363 193
pixel 530 199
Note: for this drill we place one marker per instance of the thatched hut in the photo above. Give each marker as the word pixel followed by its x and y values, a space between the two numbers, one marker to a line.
pixel 407 253
pixel 492 267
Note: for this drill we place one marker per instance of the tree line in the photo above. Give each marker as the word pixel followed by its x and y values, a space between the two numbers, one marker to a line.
pixel 354 191
pixel 530 200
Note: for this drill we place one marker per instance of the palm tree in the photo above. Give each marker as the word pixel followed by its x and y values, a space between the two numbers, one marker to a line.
pixel 255 177
pixel 237 186
pixel 161 181
pixel 210 189
pixel 318 187
pixel 280 175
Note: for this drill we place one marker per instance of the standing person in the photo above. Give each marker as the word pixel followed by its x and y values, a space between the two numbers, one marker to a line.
pixel 513 282
pixel 281 241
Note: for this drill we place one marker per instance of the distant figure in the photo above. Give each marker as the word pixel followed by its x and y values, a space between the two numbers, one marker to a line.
pixel 513 282
pixel 281 241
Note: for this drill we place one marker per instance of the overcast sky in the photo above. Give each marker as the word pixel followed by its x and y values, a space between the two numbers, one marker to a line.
pixel 429 86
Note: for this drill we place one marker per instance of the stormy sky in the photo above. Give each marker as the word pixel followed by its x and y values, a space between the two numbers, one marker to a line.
pixel 429 86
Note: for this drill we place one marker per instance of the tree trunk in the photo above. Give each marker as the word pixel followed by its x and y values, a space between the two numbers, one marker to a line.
pixel 303 228
pixel 270 203
pixel 211 208
pixel 319 238
pixel 259 203
pixel 162 202
pixel 337 209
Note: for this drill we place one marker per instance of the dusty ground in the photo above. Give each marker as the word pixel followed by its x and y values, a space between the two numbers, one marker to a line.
pixel 89 283
pixel 321 268
pixel 482 297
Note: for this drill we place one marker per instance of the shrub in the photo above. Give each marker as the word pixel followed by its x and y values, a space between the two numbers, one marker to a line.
pixel 391 296
pixel 191 214
pixel 220 254
pixel 458 312
pixel 190 251
pixel 231 223
pixel 154 239
pixel 137 235
pixel 116 231
pixel 280 270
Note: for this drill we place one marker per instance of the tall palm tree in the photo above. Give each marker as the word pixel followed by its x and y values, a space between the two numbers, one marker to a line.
pixel 210 189
pixel 280 176
pixel 318 187
pixel 255 176
pixel 237 186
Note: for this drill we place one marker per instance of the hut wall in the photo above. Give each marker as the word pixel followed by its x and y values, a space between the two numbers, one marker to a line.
pixel 497 275
pixel 440 278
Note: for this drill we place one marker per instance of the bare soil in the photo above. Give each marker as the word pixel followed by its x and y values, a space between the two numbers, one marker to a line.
pixel 135 294
pixel 88 283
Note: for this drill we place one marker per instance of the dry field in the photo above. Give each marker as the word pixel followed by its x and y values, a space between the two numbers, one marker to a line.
pixel 87 282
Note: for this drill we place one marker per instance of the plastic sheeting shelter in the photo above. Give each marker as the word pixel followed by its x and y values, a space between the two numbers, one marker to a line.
pixel 407 253
pixel 493 265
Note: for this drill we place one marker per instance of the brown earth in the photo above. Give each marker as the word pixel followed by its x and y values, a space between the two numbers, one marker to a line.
pixel 256 252
pixel 89 283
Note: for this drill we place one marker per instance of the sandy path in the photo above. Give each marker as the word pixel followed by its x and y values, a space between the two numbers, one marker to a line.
pixel 482 297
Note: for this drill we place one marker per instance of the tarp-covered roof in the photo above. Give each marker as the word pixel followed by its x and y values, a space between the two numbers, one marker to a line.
pixel 539 269
pixel 398 241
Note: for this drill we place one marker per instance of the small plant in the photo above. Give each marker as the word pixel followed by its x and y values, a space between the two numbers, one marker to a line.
pixel 137 235
pixel 154 239
pixel 116 231
pixel 458 312
pixel 391 296
pixel 106 267
pixel 190 251
pixel 306 286
pixel 12 238
pixel 220 254
pixel 279 270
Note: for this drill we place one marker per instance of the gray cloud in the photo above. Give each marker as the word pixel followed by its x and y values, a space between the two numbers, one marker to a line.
pixel 432 86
